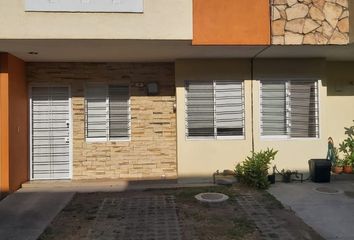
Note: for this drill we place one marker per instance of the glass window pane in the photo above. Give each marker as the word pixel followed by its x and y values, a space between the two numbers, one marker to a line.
pixel 96 112
pixel 229 108
pixel 119 112
pixel 200 109
pixel 273 113
pixel 303 101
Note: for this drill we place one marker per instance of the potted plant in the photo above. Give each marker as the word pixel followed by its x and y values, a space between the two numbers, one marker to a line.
pixel 271 177
pixel 348 165
pixel 338 166
pixel 347 148
pixel 286 175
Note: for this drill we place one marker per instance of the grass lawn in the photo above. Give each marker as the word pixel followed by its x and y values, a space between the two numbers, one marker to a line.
pixel 195 220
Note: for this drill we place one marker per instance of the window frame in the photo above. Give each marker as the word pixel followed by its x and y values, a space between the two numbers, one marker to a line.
pixel 215 137
pixel 107 138
pixel 288 136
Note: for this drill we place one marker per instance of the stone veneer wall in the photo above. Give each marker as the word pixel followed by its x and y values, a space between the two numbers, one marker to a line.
pixel 151 153
pixel 314 22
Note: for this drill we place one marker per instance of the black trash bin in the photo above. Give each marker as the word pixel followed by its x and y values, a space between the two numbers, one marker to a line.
pixel 320 170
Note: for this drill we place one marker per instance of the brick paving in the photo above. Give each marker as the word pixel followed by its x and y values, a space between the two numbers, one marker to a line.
pixel 137 218
pixel 270 227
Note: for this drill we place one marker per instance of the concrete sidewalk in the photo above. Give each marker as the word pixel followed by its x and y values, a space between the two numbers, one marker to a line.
pixel 25 214
pixel 331 215
pixel 105 185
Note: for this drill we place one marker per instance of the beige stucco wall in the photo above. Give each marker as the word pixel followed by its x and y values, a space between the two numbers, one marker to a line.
pixel 340 98
pixel 203 157
pixel 198 158
pixel 162 19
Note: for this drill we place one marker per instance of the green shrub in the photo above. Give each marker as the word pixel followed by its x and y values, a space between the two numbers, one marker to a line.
pixel 347 147
pixel 253 171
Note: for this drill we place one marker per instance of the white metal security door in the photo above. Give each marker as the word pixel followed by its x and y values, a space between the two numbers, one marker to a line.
pixel 50 133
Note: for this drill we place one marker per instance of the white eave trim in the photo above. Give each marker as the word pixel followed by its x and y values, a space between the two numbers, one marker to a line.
pixel 128 6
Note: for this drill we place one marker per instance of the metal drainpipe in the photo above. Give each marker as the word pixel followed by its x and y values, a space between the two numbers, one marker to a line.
pixel 252 71
pixel 252 103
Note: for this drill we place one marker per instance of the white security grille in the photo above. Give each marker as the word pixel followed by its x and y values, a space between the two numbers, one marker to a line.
pixel 290 108
pixel 214 109
pixel 50 133
pixel 107 112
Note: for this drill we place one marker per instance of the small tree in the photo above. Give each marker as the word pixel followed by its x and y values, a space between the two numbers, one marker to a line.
pixel 253 171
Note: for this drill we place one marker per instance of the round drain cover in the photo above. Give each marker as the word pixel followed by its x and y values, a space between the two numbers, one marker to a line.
pixel 327 190
pixel 211 197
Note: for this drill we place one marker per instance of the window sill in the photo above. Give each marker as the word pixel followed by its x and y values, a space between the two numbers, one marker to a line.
pixel 104 140
pixel 215 139
pixel 284 138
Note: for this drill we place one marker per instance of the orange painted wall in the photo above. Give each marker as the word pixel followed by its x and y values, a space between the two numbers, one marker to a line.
pixel 14 123
pixel 4 124
pixel 231 22
pixel 19 140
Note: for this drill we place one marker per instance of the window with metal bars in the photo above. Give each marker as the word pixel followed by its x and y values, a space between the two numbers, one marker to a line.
pixel 107 112
pixel 214 109
pixel 290 109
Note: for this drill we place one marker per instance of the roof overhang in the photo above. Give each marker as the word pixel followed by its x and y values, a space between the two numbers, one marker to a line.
pixel 158 51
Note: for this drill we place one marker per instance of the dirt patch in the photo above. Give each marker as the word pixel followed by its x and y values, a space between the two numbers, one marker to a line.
pixel 223 221
pixel 196 221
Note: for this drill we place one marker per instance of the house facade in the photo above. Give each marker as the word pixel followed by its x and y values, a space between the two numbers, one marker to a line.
pixel 169 89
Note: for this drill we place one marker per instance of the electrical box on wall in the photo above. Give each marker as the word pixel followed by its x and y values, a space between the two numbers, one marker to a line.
pixel 152 89
pixel 128 6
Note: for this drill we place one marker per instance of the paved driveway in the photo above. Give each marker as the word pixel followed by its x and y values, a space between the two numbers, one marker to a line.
pixel 25 214
pixel 331 215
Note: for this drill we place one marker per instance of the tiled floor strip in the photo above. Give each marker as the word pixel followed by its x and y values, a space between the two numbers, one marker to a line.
pixel 137 218
pixel 269 227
